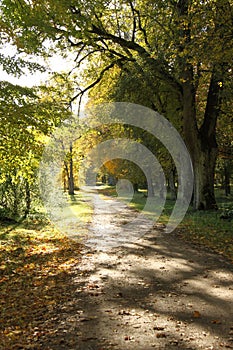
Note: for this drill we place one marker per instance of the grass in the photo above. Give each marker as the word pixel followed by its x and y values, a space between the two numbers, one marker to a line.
pixel 80 207
pixel 202 227
pixel 35 268
pixel 37 261
pixel 207 227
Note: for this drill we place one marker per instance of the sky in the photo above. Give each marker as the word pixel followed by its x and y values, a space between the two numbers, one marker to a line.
pixel 56 63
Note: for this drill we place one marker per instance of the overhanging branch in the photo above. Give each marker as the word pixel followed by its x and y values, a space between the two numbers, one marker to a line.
pixel 156 64
pixel 82 92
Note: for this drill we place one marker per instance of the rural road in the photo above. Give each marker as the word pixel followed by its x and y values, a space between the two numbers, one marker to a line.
pixel 157 292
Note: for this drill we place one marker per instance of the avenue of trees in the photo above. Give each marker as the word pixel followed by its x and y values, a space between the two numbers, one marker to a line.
pixel 173 56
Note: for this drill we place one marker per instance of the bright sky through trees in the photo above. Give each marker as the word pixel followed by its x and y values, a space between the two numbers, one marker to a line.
pixel 56 63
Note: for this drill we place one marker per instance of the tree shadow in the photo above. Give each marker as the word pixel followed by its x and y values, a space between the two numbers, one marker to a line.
pixel 158 293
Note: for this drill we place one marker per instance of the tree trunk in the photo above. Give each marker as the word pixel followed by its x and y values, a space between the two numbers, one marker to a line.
pixel 65 179
pixel 227 176
pixel 69 169
pixel 150 188
pixel 171 184
pixel 28 199
pixel 202 146
pixel 201 143
pixel 204 166
pixel 135 187
pixel 71 172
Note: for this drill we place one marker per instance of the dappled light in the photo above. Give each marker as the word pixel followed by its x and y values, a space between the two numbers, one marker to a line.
pixel 158 292
pixel 35 271
pixel 116 165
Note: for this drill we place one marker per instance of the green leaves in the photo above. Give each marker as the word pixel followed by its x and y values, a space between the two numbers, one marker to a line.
pixel 27 116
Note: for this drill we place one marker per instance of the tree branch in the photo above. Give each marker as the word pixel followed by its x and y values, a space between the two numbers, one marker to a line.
pixel 142 29
pixel 155 64
pixel 118 40
pixel 117 21
pixel 213 104
pixel 82 92
pixel 73 44
pixel 134 21
pixel 85 56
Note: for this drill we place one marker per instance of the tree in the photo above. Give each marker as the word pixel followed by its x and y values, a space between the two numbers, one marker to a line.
pixel 18 148
pixel 59 92
pixel 224 139
pixel 173 45
pixel 27 115
pixel 118 85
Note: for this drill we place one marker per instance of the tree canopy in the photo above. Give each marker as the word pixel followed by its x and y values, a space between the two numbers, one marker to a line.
pixel 174 56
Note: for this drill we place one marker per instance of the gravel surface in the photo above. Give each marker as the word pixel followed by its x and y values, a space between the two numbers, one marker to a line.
pixel 155 293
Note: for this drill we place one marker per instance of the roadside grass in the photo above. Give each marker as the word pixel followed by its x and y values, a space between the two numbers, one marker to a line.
pixel 35 269
pixel 107 191
pixel 202 227
pixel 209 229
pixel 37 262
pixel 36 266
pixel 80 207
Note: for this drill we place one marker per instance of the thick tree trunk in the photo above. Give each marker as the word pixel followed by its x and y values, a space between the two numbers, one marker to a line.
pixel 201 143
pixel 203 152
pixel 204 166
pixel 202 146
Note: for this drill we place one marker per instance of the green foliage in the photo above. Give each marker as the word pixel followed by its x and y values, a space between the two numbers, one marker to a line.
pixel 27 115
pixel 143 51
pixel 12 199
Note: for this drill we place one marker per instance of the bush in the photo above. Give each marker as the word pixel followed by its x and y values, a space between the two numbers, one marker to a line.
pixel 227 214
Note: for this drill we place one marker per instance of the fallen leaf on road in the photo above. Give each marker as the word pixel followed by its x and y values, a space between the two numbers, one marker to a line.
pixel 216 322
pixel 124 312
pixel 127 337
pixel 196 314
pixel 161 335
pixel 158 328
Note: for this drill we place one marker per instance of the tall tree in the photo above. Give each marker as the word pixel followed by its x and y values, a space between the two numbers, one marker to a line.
pixel 174 45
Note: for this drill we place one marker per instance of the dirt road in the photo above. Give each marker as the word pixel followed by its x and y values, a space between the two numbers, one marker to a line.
pixel 156 293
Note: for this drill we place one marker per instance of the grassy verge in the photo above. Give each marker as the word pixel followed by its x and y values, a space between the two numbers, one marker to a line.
pixel 202 227
pixel 208 229
pixel 35 269
pixel 36 266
